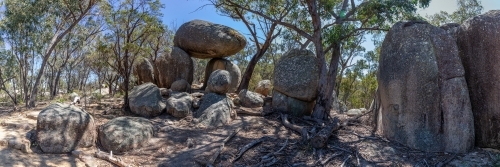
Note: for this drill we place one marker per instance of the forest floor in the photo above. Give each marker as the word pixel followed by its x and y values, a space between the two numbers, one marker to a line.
pixel 178 143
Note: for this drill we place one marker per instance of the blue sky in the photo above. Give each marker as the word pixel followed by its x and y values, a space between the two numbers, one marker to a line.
pixel 181 11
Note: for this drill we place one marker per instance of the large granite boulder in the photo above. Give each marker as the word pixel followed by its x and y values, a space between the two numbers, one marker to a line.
pixel 263 87
pixel 174 66
pixel 145 100
pixel 223 64
pixel 125 133
pixel 297 75
pixel 424 98
pixel 144 71
pixel 250 99
pixel 215 110
pixel 219 82
pixel 180 104
pixel 203 39
pixel 478 41
pixel 62 128
pixel 289 105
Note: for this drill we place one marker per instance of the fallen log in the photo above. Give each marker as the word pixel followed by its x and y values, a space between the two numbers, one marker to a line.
pixel 109 157
pixel 249 111
pixel 320 139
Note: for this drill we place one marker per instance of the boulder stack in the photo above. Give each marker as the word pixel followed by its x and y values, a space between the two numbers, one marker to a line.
pixel 424 97
pixel 296 78
pixel 223 64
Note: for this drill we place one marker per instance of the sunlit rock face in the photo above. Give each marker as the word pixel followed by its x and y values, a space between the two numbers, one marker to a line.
pixel 478 41
pixel 203 39
pixel 424 98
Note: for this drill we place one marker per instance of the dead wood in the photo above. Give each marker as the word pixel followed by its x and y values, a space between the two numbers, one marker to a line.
pixel 214 157
pixel 325 161
pixel 110 158
pixel 443 163
pixel 88 160
pixel 269 158
pixel 320 139
pixel 248 146
pixel 249 111
pixel 299 129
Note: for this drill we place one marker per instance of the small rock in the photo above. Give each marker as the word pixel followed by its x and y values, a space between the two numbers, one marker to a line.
pixel 250 99
pixel 180 86
pixel 263 87
pixel 219 82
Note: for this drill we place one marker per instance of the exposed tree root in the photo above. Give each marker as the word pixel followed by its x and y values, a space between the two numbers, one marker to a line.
pixel 248 146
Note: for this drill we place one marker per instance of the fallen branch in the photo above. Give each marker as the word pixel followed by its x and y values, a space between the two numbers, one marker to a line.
pixel 443 163
pixel 325 161
pixel 345 161
pixel 249 111
pixel 320 139
pixel 214 157
pixel 269 159
pixel 345 150
pixel 110 158
pixel 248 146
pixel 299 129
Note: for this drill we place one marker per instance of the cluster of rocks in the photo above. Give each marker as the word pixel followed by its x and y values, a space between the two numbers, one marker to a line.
pixel 437 86
pixel 196 39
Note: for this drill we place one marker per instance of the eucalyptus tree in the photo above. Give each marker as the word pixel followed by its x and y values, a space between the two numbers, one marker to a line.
pixel 466 9
pixel 36 33
pixel 326 23
pixel 7 73
pixel 131 23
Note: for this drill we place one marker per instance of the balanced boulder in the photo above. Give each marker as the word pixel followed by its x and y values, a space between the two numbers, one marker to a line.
pixel 297 75
pixel 250 99
pixel 215 110
pixel 219 82
pixel 174 66
pixel 62 128
pixel 125 133
pixel 424 98
pixel 180 104
pixel 478 42
pixel 223 64
pixel 144 71
pixel 263 87
pixel 203 39
pixel 145 100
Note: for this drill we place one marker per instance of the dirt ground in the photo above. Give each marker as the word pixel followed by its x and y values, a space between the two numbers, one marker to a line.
pixel 178 143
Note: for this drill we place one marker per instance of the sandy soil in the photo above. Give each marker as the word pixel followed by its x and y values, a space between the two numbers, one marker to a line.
pixel 178 143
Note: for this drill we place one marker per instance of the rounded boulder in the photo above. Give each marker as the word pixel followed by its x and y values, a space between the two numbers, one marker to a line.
pixel 125 133
pixel 219 82
pixel 62 128
pixel 203 39
pixel 145 100
pixel 297 75
pixel 223 64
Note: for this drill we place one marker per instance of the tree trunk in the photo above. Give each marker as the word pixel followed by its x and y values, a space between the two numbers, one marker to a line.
pixel 325 95
pixel 245 80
